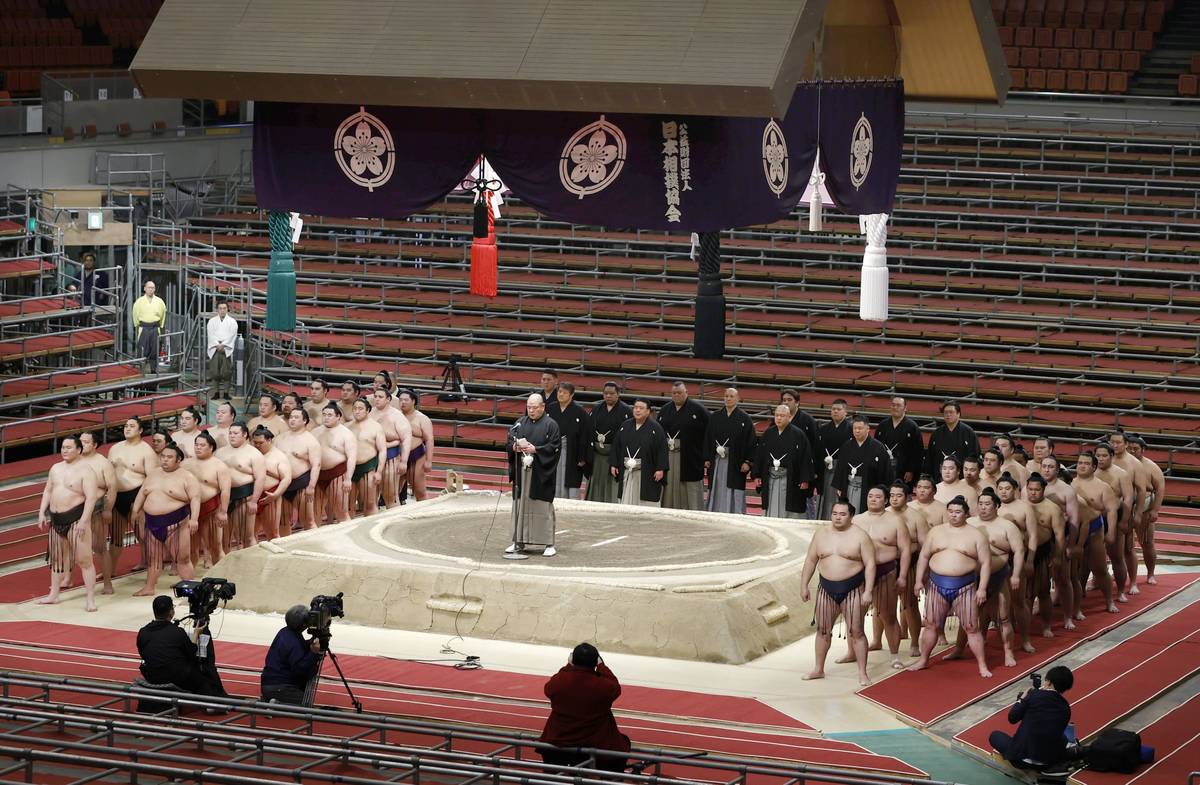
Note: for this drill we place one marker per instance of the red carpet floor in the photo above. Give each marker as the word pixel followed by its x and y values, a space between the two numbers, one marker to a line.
pixel 927 696
pixel 1175 738
pixel 381 685
pixel 1122 679
pixel 35 582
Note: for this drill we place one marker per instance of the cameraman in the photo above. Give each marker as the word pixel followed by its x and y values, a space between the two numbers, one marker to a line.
pixel 1044 715
pixel 581 697
pixel 169 656
pixel 292 661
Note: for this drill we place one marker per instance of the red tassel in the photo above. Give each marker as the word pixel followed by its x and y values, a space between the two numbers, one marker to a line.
pixel 485 271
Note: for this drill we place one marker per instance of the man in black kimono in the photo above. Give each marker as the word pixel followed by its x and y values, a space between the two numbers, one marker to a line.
pixel 953 438
pixel 684 421
pixel 728 452
pixel 833 435
pixel 862 463
pixel 549 388
pixel 606 418
pixel 901 437
pixel 639 458
pixel 574 430
pixel 533 452
pixel 812 431
pixel 783 467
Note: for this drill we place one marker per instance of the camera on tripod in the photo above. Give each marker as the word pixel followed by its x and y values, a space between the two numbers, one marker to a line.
pixel 321 613
pixel 203 596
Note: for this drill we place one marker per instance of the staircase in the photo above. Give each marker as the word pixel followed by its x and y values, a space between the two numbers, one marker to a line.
pixel 1172 53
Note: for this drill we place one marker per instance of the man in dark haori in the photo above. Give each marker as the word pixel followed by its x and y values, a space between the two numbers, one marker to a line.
pixel 575 432
pixel 684 421
pixel 952 438
pixel 607 417
pixel 833 435
pixel 728 452
pixel 639 458
pixel 812 430
pixel 862 463
pixel 783 467
pixel 901 437
pixel 533 452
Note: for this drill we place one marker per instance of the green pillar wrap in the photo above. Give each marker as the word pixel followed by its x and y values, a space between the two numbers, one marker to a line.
pixel 281 277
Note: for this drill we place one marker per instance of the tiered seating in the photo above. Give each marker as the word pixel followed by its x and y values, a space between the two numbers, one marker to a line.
pixel 1091 46
pixel 1189 83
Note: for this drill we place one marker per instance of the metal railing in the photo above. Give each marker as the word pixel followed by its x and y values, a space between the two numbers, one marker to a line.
pixel 51 426
pixel 38 388
pixel 370 743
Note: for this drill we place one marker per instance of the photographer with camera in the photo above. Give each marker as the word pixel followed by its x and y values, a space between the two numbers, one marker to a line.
pixel 170 656
pixel 581 697
pixel 1043 713
pixel 292 661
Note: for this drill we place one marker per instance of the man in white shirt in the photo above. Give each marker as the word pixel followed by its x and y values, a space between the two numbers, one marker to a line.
pixel 222 333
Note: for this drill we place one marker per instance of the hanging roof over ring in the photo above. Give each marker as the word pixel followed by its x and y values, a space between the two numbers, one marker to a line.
pixel 711 57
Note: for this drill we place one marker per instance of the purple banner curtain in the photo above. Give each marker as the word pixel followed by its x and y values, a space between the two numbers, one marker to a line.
pixel 360 162
pixel 862 139
pixel 669 172
pixel 665 172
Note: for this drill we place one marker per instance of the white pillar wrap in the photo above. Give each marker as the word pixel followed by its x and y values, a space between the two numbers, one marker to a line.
pixel 873 297
pixel 816 181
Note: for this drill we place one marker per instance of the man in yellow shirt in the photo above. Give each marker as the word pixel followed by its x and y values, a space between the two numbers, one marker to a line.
pixel 149 316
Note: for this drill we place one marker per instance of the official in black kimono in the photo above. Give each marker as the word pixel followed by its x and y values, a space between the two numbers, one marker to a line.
pixel 833 435
pixel 862 463
pixel 639 458
pixel 783 467
pixel 607 417
pixel 574 428
pixel 728 455
pixel 952 438
pixel 901 437
pixel 533 450
pixel 684 420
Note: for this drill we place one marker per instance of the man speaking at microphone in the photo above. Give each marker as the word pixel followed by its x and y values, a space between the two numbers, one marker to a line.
pixel 533 450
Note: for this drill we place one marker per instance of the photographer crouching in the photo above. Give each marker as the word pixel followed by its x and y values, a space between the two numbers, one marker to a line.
pixel 171 657
pixel 293 666
pixel 292 661
pixel 1043 713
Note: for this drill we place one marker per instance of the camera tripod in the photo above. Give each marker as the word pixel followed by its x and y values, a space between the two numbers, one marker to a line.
pixel 453 387
pixel 310 692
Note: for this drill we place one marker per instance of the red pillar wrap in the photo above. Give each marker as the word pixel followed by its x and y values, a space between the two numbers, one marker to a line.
pixel 485 274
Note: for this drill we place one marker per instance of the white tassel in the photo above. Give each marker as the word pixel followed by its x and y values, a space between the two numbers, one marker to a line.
pixel 695 246
pixel 815 181
pixel 297 224
pixel 873 296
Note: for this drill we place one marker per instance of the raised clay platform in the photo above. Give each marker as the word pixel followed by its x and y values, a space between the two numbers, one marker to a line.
pixel 664 583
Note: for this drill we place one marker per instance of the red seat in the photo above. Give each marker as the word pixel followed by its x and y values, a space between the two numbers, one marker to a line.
pixel 1083 39
pixel 1068 58
pixel 1123 39
pixel 1012 56
pixel 1018 78
pixel 1076 81
pixel 1196 64
pixel 1049 58
pixel 1055 10
pixel 1097 82
pixel 1007 35
pixel 1110 61
pixel 1102 39
pixel 1043 37
pixel 1030 57
pixel 1143 40
pixel 1131 61
pixel 1024 36
pixel 1063 38
pixel 1056 80
pixel 1036 78
pixel 1118 82
pixel 1189 85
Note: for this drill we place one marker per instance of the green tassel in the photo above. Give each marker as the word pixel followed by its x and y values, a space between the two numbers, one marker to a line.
pixel 281 276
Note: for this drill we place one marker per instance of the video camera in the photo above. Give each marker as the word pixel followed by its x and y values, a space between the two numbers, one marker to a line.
pixel 321 612
pixel 203 597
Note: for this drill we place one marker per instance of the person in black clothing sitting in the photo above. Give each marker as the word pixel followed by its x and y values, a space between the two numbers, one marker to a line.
pixel 1044 715
pixel 292 661
pixel 169 654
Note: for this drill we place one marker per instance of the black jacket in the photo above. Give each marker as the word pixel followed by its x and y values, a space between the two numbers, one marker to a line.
pixel 166 652
pixel 1044 715
pixel 290 660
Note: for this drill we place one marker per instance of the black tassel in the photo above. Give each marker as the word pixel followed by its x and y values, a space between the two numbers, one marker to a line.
pixel 480 229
